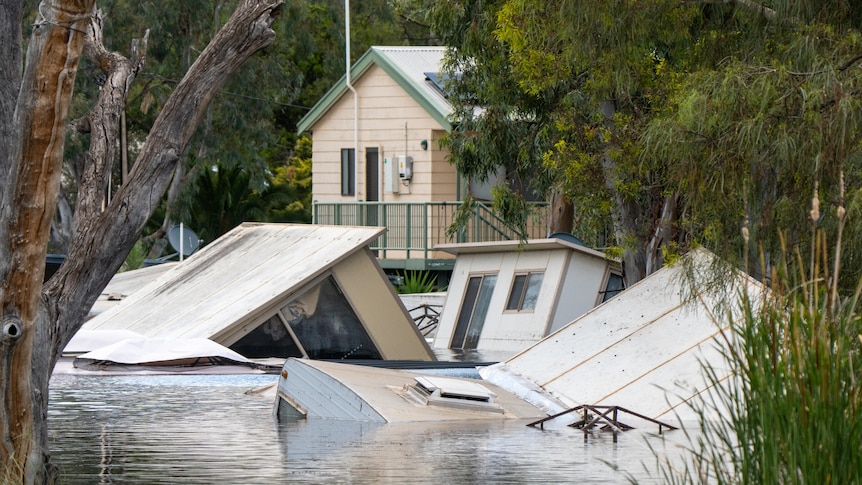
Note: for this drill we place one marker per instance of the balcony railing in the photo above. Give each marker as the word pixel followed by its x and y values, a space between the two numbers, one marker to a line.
pixel 414 228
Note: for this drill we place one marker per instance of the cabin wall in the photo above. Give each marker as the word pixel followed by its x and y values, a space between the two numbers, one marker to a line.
pixel 378 307
pixel 504 330
pixel 583 281
pixel 392 121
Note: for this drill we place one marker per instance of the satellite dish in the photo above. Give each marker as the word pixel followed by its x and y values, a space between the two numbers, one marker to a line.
pixel 183 240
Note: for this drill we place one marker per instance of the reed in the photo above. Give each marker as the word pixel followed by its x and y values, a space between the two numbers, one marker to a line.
pixel 790 414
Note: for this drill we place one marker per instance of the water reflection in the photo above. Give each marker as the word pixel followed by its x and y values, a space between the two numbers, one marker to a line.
pixel 203 429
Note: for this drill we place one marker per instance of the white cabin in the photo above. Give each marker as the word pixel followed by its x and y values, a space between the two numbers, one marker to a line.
pixel 505 296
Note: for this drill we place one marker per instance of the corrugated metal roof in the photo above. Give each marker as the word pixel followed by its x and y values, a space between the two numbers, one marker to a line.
pixel 229 282
pixel 407 66
pixel 412 63
pixel 642 349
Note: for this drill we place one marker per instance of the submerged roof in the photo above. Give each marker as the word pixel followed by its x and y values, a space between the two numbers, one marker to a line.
pixel 318 389
pixel 138 351
pixel 407 66
pixel 229 282
pixel 642 350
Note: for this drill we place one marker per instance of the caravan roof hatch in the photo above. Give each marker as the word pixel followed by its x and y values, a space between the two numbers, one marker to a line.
pixel 454 393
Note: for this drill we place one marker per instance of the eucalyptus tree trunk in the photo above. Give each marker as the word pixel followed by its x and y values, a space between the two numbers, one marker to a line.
pixel 38 321
pixel 642 248
pixel 561 214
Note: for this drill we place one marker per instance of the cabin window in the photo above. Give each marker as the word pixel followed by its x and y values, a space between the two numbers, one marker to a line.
pixel 525 291
pixel 474 308
pixel 615 285
pixel 348 171
pixel 326 326
pixel 271 339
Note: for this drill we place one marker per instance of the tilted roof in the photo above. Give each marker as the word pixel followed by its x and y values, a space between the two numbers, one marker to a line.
pixel 230 281
pixel 644 349
pixel 407 66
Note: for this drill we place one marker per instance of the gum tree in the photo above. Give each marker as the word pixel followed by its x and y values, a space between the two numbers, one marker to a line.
pixel 673 123
pixel 38 320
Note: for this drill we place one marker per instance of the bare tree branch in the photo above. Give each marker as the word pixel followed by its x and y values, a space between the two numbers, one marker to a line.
pixel 103 120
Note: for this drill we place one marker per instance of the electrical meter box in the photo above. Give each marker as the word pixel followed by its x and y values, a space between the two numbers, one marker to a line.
pixel 405 168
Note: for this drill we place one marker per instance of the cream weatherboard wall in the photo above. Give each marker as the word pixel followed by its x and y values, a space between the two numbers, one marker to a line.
pixel 387 113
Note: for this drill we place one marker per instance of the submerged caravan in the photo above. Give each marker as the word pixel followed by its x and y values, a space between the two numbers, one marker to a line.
pixel 277 290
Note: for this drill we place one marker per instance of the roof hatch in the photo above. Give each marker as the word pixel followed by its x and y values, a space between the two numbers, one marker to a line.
pixel 449 392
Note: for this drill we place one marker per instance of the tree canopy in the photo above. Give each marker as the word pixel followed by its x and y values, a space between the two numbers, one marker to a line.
pixel 250 126
pixel 680 122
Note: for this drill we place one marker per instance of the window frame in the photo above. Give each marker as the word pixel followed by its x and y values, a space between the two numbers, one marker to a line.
pixel 469 324
pixel 519 308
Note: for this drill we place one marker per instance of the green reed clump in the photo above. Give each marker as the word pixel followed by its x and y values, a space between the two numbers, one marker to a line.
pixel 791 412
pixel 795 413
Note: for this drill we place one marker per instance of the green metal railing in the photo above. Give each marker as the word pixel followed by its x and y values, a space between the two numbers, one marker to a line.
pixel 416 227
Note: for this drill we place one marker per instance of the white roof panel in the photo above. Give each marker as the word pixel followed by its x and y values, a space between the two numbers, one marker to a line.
pixel 642 349
pixel 227 282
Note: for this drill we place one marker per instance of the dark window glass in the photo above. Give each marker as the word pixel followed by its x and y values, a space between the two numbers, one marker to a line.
pixel 474 309
pixel 614 287
pixel 348 171
pixel 270 339
pixel 326 326
pixel 525 291
pixel 517 291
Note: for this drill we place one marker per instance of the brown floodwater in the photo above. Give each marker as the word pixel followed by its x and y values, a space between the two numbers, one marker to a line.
pixel 205 429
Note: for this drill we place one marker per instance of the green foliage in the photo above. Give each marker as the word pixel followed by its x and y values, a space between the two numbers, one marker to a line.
pixel 417 282
pixel 733 110
pixel 293 177
pixel 250 126
pixel 542 71
pixel 222 199
pixel 135 259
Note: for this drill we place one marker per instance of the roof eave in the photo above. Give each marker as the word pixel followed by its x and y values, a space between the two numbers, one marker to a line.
pixel 372 56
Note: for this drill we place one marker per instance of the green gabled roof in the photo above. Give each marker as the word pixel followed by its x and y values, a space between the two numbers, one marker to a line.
pixel 407 66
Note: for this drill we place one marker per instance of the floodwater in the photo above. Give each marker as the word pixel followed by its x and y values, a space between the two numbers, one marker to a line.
pixel 205 429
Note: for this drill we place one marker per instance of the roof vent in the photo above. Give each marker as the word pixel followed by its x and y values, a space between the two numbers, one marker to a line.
pixel 455 393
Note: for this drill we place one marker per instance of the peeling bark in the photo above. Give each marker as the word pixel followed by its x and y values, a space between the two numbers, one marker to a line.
pixel 661 235
pixel 39 321
pixel 41 113
pixel 103 120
